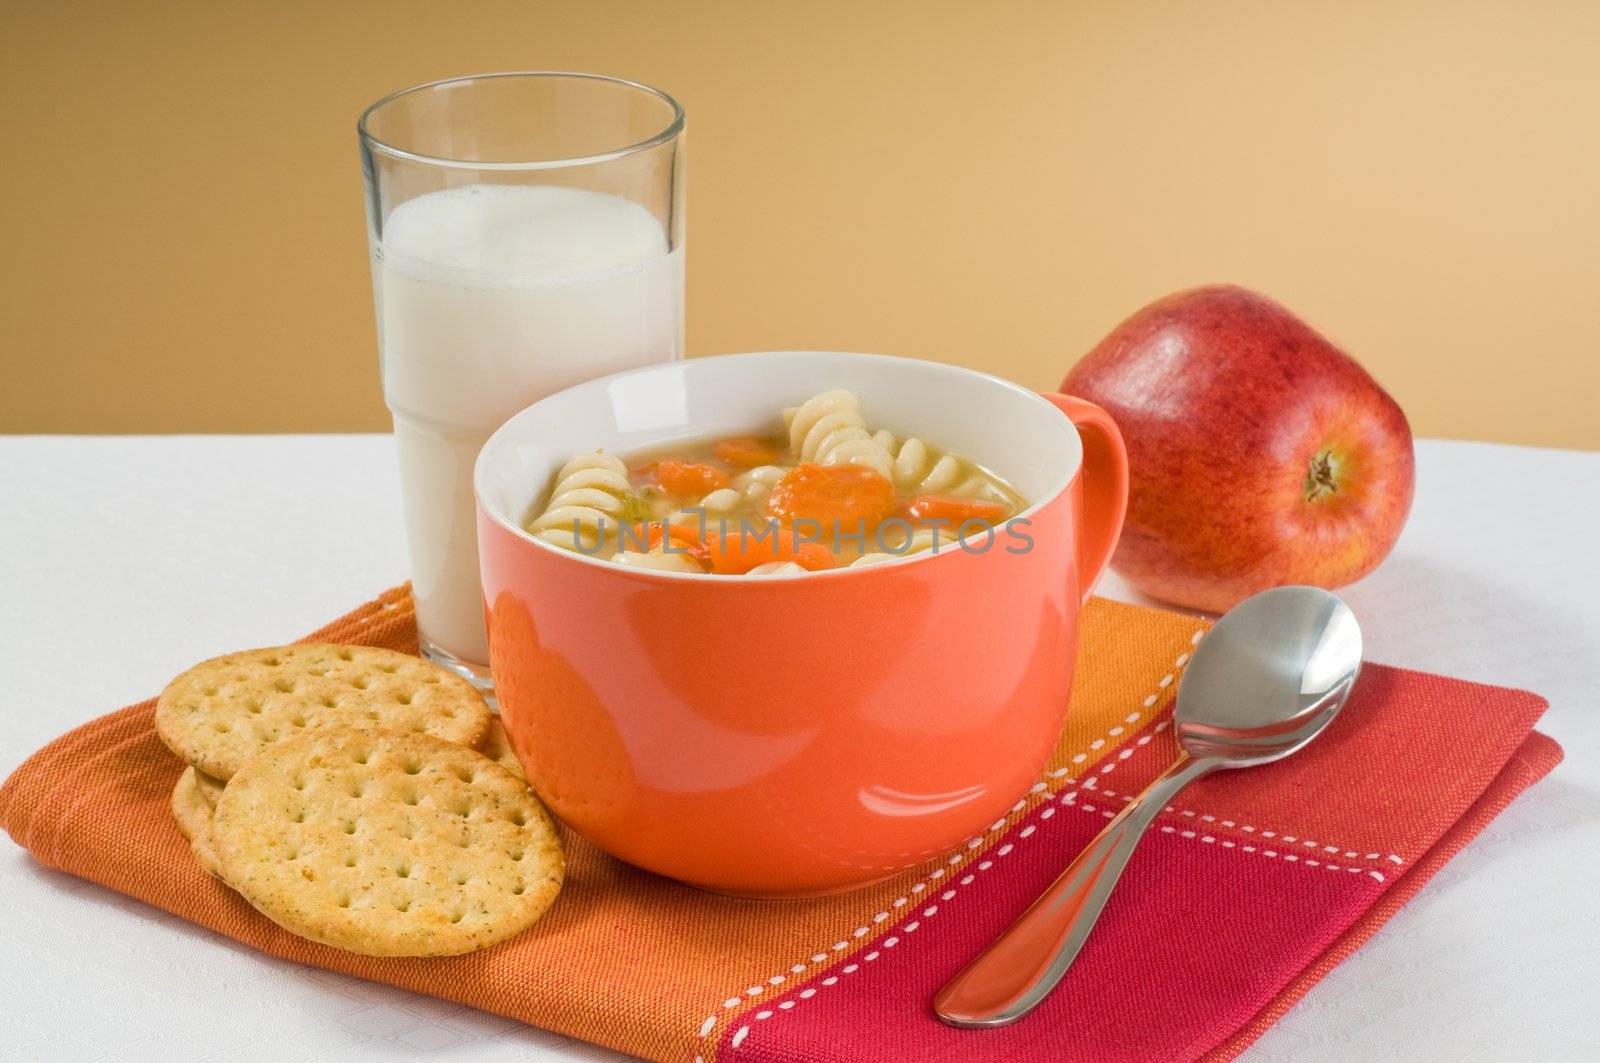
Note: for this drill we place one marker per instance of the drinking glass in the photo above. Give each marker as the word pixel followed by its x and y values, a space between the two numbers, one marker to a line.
pixel 526 233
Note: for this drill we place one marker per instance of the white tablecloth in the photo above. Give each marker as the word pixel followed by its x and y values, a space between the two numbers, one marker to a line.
pixel 125 559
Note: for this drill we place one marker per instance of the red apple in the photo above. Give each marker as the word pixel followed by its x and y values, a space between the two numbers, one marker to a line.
pixel 1259 453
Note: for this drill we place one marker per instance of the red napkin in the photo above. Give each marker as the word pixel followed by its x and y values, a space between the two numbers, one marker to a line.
pixel 1240 899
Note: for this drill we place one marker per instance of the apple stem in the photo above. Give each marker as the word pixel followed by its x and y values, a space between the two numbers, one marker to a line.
pixel 1320 476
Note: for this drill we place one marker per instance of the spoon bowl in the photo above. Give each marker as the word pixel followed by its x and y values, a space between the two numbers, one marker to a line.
pixel 1268 678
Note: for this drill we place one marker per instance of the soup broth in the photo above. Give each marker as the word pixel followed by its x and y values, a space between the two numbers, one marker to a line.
pixel 819 491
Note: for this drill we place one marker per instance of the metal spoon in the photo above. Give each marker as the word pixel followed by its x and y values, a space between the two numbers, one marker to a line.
pixel 1269 677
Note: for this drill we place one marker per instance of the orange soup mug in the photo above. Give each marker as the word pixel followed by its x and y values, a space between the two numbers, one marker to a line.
pixel 795 735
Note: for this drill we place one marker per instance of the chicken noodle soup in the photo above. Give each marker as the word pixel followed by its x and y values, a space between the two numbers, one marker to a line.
pixel 822 491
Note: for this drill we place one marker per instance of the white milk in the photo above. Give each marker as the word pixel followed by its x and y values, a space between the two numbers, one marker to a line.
pixel 489 298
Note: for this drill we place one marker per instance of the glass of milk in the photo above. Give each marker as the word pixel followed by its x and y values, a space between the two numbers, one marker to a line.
pixel 526 233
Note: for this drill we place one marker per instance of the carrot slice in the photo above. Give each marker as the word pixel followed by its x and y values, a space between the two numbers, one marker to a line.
pixel 953 510
pixel 684 478
pixel 838 497
pixel 740 550
pixel 746 452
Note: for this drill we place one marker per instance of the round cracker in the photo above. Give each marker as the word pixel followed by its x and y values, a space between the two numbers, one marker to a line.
pixel 192 810
pixel 386 844
pixel 209 786
pixel 496 745
pixel 222 712
pixel 189 808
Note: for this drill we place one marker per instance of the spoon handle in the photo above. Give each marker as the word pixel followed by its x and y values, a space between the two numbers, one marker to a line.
pixel 1009 978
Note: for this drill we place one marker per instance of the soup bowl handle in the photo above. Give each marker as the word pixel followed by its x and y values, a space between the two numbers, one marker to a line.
pixel 1105 484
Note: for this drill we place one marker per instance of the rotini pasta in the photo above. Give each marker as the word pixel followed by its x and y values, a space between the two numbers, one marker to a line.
pixel 755 484
pixel 918 469
pixel 777 568
pixel 586 504
pixel 828 429
pixel 919 541
pixel 717 504
pixel 921 470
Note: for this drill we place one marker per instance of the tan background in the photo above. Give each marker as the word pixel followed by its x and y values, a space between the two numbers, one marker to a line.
pixel 995 185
